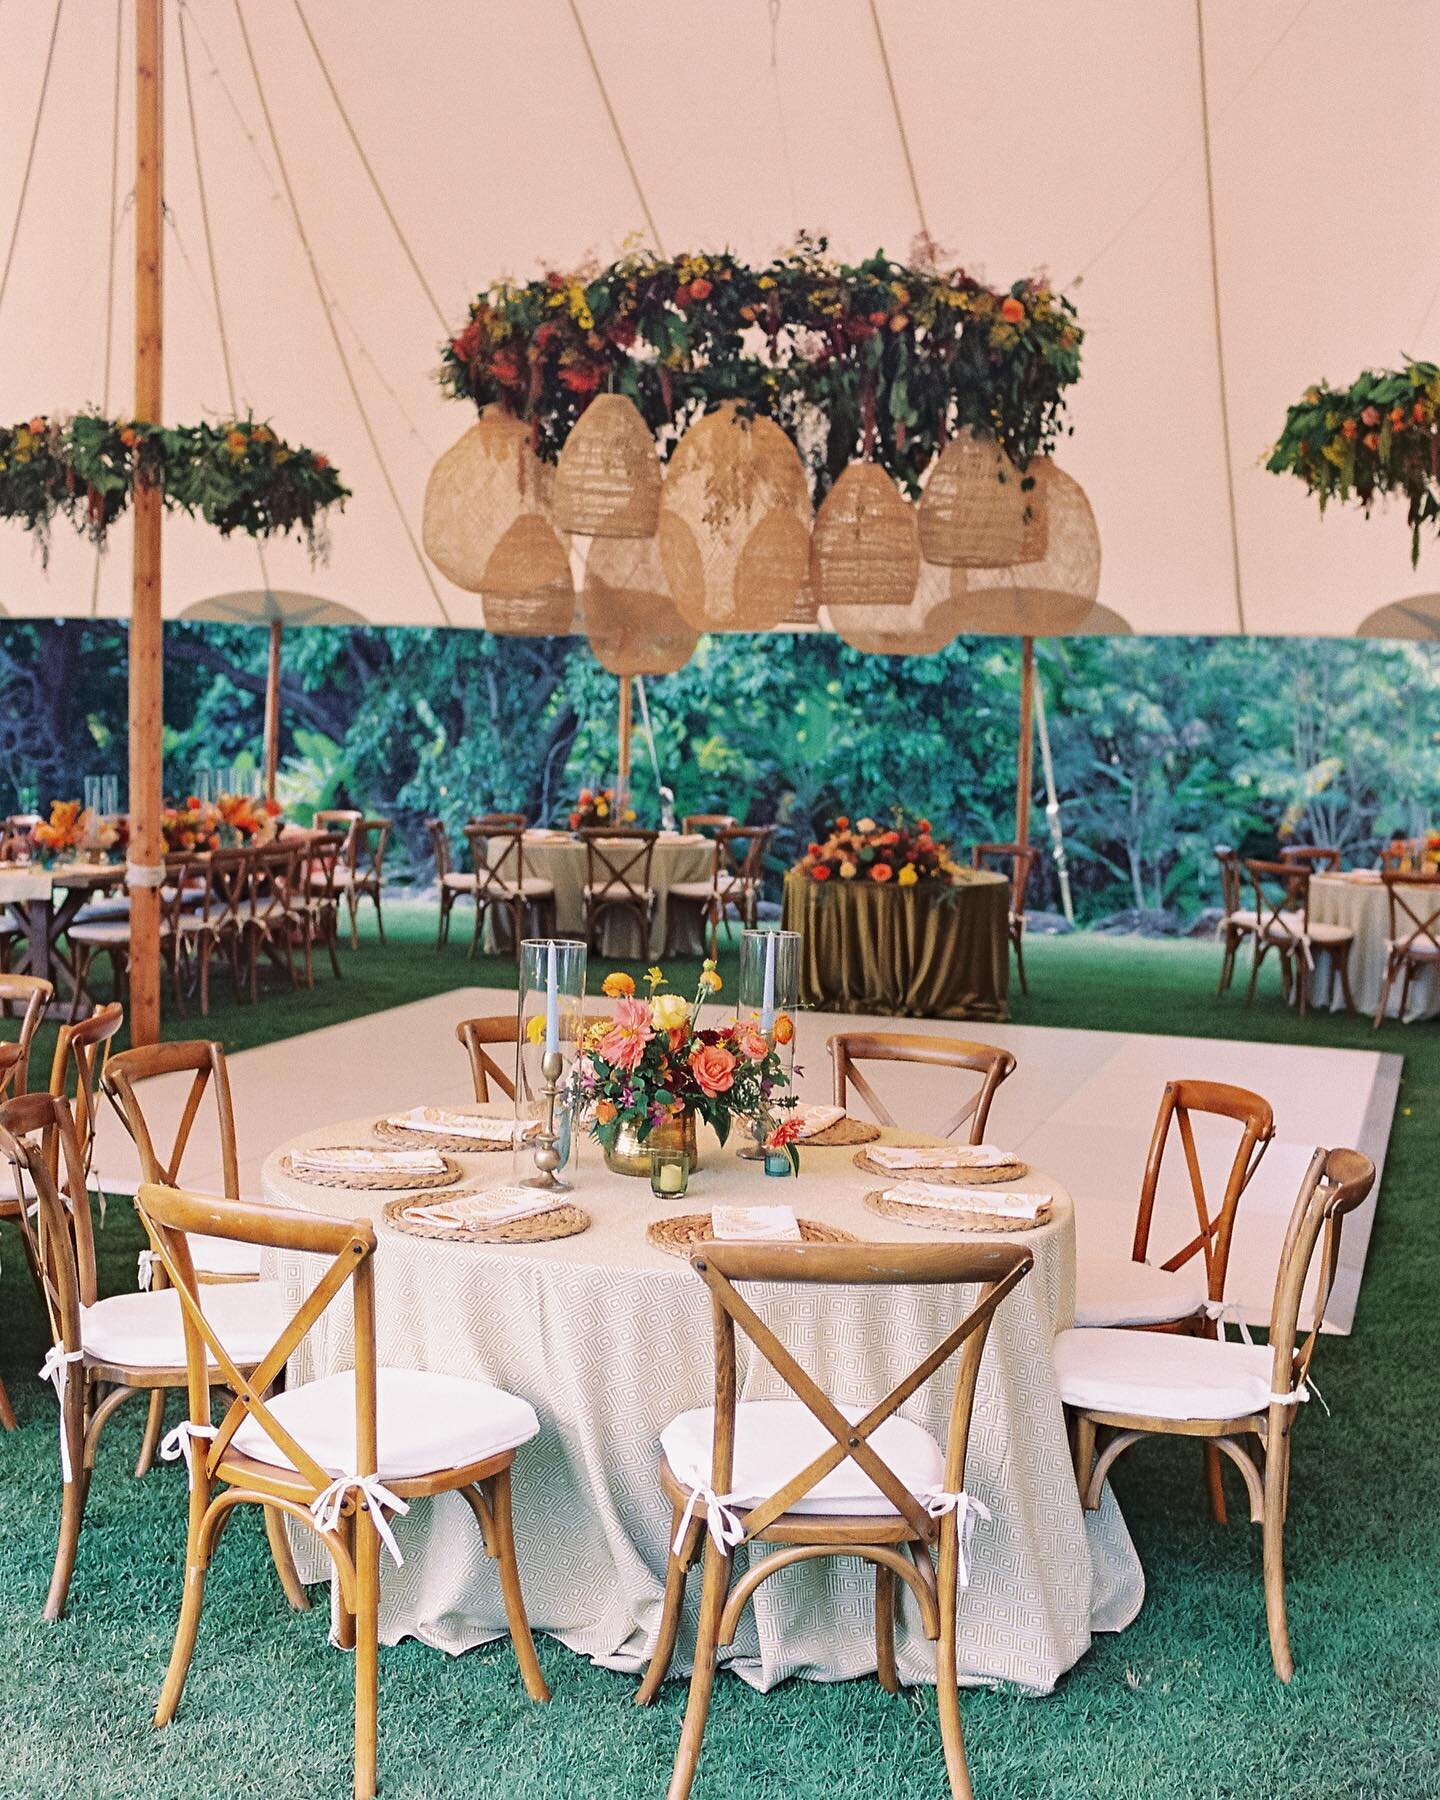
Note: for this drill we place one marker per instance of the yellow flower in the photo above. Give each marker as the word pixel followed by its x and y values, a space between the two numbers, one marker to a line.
pixel 848 871
pixel 618 985
pixel 669 1011
pixel 865 825
pixel 710 979
pixel 908 875
pixel 655 976
pixel 602 811
pixel 628 816
pixel 535 1029
pixel 235 442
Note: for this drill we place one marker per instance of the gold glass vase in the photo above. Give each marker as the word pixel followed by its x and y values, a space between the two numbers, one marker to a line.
pixel 631 1157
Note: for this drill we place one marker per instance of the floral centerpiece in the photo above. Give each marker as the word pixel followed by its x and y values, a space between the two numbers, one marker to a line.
pixel 866 851
pixel 193 825
pixel 646 1072
pixel 246 821
pixel 69 829
pixel 597 806
pixel 1380 436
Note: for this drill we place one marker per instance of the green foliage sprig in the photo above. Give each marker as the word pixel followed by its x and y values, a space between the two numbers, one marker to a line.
pixel 877 358
pixel 1375 438
pixel 237 475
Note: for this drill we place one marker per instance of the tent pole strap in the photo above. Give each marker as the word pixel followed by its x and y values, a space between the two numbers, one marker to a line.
pixel 272 709
pixel 1023 762
pixel 1052 804
pixel 622 771
pixel 147 844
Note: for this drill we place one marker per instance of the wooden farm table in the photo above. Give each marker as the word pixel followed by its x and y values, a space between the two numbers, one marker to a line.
pixel 43 903
pixel 924 952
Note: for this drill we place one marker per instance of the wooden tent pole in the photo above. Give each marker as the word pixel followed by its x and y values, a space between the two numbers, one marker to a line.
pixel 622 772
pixel 147 844
pixel 1023 763
pixel 272 710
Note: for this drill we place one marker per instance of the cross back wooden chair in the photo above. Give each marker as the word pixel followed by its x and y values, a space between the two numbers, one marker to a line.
pixel 1238 921
pixel 707 824
pixel 992 1064
pixel 337 1455
pixel 103 1352
pixel 1413 942
pixel 1320 859
pixel 451 884
pixel 96 935
pixel 735 877
pixel 497 855
pixel 362 871
pixel 819 1478
pixel 339 821
pixel 1400 854
pixel 500 821
pixel 477 1035
pixel 318 903
pixel 31 994
pixel 1282 911
pixel 618 861
pixel 269 920
pixel 1240 1398
pixel 1017 860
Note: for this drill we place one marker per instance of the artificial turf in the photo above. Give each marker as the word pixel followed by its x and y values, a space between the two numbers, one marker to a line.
pixel 1183 1703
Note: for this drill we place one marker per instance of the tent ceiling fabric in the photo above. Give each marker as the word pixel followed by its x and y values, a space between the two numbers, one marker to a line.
pixel 500 172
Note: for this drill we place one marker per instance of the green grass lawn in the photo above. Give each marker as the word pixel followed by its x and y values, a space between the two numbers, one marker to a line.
pixel 1184 1703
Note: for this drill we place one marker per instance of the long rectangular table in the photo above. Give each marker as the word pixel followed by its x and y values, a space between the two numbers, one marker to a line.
pixel 42 904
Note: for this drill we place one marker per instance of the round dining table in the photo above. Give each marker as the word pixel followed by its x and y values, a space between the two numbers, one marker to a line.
pixel 1357 898
pixel 609 1338
pixel 559 858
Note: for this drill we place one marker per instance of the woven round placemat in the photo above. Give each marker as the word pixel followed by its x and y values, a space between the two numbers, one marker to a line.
pixel 372 1180
pixel 840 1135
pixel 931 1218
pixel 1010 1171
pixel 678 1236
pixel 540 1228
pixel 421 1138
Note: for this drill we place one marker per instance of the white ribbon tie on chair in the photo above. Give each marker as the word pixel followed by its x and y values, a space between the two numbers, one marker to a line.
pixel 325 1508
pixel 145 1270
pixel 967 1511
pixel 1225 1312
pixel 721 1518
pixel 181 1442
pixel 56 1369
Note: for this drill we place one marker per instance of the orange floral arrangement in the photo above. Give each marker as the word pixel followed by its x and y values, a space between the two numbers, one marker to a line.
pixel 866 851
pixel 191 826
pixel 596 806
pixel 70 827
pixel 248 821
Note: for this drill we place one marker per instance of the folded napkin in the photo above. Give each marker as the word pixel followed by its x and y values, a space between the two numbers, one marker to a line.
pixel 943 1198
pixel 955 1156
pixel 343 1161
pixel 814 1119
pixel 460 1124
pixel 471 1212
pixel 754 1224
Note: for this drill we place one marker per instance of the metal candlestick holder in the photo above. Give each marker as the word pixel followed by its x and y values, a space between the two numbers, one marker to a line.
pixel 547 1138
pixel 754 1150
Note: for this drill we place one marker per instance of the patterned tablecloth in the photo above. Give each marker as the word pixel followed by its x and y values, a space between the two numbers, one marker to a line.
pixel 1361 904
pixel 608 1339
pixel 560 859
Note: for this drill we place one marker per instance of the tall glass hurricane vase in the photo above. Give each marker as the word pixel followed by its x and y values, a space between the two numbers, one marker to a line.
pixel 767 996
pixel 550 1019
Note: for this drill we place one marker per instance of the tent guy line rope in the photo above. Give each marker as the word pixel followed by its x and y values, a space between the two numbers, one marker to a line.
pixel 899 121
pixel 30 152
pixel 113 224
pixel 370 174
pixel 214 267
pixel 1219 327
pixel 653 228
pixel 330 324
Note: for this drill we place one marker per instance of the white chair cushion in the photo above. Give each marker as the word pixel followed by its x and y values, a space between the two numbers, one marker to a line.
pixel 144 1330
pixel 223 1256
pixel 730 886
pixel 617 890
pixel 460 884
pixel 423 1422
pixel 1160 1375
pixel 775 1439
pixel 534 887
pixel 1114 1290
pixel 1244 918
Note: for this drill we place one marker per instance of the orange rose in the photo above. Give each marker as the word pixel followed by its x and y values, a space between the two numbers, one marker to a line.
pixel 784 1028
pixel 605 1112
pixel 713 1069
pixel 751 1043
pixel 880 871
pixel 1011 311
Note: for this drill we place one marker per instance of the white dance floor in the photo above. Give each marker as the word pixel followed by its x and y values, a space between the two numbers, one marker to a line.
pixel 1081 1105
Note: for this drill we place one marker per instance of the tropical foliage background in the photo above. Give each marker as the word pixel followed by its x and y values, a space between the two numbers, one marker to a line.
pixel 1162 746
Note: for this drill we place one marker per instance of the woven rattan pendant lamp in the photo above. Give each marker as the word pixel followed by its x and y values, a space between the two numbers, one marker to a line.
pixel 864 550
pixel 476 492
pixel 1051 596
pixel 926 625
pixel 527 590
pixel 629 615
pixel 607 481
pixel 735 523
pixel 972 513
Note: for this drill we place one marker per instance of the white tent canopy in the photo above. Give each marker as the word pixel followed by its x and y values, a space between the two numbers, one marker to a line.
pixel 1073 143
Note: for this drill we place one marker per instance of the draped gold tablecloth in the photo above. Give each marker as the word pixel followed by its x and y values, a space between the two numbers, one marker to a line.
pixel 925 952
